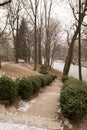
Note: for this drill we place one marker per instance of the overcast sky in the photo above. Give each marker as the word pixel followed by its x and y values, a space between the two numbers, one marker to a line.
pixel 61 10
pixel 64 13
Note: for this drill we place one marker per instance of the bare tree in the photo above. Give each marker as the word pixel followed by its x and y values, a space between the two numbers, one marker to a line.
pixel 47 24
pixel 54 30
pixel 33 7
pixel 2 4
pixel 70 50
pixel 13 10
pixel 79 41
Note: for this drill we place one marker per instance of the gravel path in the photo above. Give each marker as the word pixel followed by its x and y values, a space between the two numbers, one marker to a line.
pixel 37 114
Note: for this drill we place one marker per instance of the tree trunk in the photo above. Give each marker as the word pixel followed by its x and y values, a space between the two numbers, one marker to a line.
pixel 16 42
pixel 35 42
pixel 0 63
pixel 39 53
pixel 70 54
pixel 70 51
pixel 79 43
pixel 39 47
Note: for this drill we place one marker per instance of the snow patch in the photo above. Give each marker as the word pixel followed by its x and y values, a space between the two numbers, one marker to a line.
pixel 24 106
pixel 12 126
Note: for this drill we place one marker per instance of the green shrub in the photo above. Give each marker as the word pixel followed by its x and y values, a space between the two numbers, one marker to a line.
pixel 36 83
pixel 25 88
pixel 31 85
pixel 53 76
pixel 49 79
pixel 73 99
pixel 65 78
pixel 43 80
pixel 8 89
pixel 43 70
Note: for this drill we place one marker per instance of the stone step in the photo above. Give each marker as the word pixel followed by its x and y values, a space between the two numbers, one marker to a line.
pixel 46 123
pixel 31 122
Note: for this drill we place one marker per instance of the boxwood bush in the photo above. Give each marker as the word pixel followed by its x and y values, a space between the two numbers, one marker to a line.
pixel 43 70
pixel 32 84
pixel 73 99
pixel 43 80
pixel 25 88
pixel 65 78
pixel 49 79
pixel 36 83
pixel 53 76
pixel 8 89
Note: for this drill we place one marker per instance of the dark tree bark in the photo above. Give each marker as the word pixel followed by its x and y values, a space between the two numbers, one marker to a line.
pixel 16 42
pixel 47 25
pixel 0 63
pixel 35 39
pixel 6 2
pixel 39 47
pixel 79 42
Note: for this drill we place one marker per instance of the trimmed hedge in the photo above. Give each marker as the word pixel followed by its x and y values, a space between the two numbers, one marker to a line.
pixel 23 87
pixel 8 89
pixel 73 99
pixel 36 82
pixel 31 85
pixel 43 80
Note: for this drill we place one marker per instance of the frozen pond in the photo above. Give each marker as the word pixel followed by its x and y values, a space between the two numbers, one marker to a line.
pixel 59 65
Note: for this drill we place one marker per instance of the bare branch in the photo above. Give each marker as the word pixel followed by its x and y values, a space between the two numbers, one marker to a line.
pixel 5 26
pixel 28 13
pixel 49 11
pixel 6 2
pixel 32 7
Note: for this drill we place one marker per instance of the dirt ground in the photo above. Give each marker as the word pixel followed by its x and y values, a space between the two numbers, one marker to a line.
pixel 81 125
pixel 23 69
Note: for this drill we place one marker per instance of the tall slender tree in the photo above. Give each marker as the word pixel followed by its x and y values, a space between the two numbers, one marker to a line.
pixel 23 41
pixel 69 57
pixel 79 41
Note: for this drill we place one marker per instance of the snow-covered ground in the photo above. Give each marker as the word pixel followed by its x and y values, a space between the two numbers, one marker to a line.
pixel 59 65
pixel 24 106
pixel 13 126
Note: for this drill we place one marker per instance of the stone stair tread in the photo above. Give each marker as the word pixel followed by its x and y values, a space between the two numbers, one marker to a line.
pixel 47 123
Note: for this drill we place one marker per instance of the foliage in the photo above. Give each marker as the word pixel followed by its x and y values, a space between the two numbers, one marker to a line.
pixel 43 80
pixel 23 40
pixel 73 99
pixel 25 88
pixel 36 82
pixel 43 70
pixel 64 78
pixel 8 89
pixel 49 79
pixel 53 76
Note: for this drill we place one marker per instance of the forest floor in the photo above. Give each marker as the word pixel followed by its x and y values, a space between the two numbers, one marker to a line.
pixel 23 69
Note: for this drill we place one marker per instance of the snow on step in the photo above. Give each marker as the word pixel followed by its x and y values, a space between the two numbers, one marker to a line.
pixel 12 126
pixel 32 123
pixel 46 123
